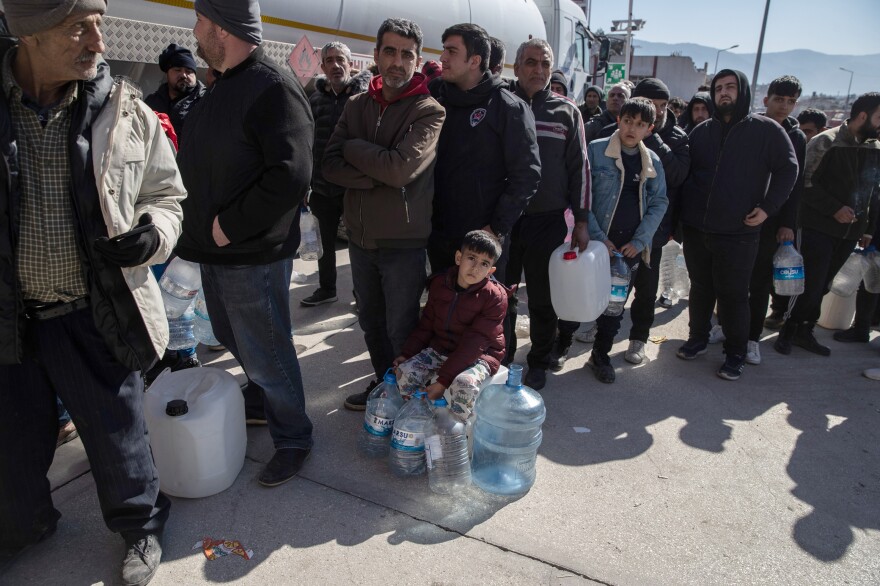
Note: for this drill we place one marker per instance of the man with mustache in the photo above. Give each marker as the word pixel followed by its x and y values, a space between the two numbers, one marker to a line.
pixel 90 198
pixel 181 90
pixel 838 210
pixel 743 167
pixel 382 151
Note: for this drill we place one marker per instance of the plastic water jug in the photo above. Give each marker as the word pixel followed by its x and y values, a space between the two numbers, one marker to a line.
pixel 406 456
pixel 181 330
pixel 837 312
pixel 788 270
pixel 310 236
pixel 202 329
pixel 446 451
pixel 507 433
pixel 197 430
pixel 579 282
pixel 847 280
pixel 872 270
pixel 180 283
pixel 682 279
pixel 620 276
pixel 383 404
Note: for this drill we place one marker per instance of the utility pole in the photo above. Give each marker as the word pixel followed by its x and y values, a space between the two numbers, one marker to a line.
pixel 760 50
pixel 629 35
pixel 848 90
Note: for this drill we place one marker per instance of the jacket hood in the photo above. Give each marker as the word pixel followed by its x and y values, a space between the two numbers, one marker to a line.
pixel 356 84
pixel 477 94
pixel 743 95
pixel 418 86
pixel 559 78
pixel 702 98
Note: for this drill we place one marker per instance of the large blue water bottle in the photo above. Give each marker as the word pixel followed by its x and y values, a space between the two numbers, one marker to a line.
pixel 383 404
pixel 507 433
pixel 406 456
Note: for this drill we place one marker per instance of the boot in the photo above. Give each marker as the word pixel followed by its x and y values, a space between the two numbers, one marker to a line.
pixel 854 334
pixel 786 334
pixel 805 339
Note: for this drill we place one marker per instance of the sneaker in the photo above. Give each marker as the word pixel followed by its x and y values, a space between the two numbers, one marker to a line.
pixel 215 347
pixel 691 349
pixel 852 335
pixel 601 367
pixel 358 401
pixel 733 367
pixel 319 297
pixel 635 354
pixel 141 561
pixel 188 362
pixel 753 353
pixel 66 433
pixel 665 301
pixel 774 321
pixel 558 356
pixel 536 378
pixel 872 373
pixel 254 418
pixel 716 336
pixel 587 337
pixel 284 465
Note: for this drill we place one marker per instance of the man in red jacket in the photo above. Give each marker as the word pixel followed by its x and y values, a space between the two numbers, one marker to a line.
pixel 460 336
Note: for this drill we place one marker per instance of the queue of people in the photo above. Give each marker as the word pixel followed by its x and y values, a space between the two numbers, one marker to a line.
pixel 468 170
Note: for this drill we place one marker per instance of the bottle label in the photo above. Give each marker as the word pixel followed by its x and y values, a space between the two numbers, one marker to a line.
pixel 618 293
pixel 788 273
pixel 376 425
pixel 407 441
pixel 433 450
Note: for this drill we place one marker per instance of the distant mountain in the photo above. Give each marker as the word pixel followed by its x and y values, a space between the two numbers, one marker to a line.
pixel 818 72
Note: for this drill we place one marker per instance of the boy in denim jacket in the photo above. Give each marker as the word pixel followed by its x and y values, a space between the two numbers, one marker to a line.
pixel 629 200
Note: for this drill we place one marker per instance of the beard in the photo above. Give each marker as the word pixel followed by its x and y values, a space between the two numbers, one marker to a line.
pixel 726 108
pixel 867 132
pixel 183 87
pixel 212 51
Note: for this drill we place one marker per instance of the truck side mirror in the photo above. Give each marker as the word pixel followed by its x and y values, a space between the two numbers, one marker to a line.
pixel 604 49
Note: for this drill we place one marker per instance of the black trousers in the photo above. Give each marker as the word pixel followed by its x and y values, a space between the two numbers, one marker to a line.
pixel 328 209
pixel 761 284
pixel 607 326
pixel 645 283
pixel 720 269
pixel 69 360
pixel 866 305
pixel 823 257
pixel 532 241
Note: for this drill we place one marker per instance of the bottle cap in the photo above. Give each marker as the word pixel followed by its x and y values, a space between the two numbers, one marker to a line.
pixel 176 408
pixel 569 255
pixel 441 402
pixel 788 243
pixel 389 378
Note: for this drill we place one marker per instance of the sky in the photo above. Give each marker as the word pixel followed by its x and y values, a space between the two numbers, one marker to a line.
pixel 836 27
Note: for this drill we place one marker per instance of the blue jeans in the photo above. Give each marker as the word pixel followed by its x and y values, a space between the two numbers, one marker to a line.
pixel 250 314
pixel 388 284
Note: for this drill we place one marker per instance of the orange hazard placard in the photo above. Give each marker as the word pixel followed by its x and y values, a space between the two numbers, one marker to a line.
pixel 304 60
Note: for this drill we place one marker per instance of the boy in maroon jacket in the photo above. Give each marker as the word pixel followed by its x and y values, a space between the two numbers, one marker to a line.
pixel 460 336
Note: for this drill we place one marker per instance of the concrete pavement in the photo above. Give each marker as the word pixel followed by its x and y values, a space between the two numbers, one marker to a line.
pixel 669 476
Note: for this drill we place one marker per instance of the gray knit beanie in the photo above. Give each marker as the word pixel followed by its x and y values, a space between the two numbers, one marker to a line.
pixel 26 17
pixel 240 17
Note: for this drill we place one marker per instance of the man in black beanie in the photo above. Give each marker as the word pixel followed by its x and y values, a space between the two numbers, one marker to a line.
pixel 246 159
pixel 592 105
pixel 181 89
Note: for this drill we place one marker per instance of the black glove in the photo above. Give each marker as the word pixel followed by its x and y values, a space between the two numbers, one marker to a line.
pixel 131 248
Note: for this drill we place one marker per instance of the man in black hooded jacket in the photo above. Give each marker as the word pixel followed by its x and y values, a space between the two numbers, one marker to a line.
pixel 181 90
pixel 743 167
pixel 699 109
pixel 488 164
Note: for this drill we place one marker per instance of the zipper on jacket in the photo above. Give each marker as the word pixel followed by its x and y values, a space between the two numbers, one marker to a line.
pixel 361 217
pixel 405 203
pixel 449 313
pixel 724 140
pixel 378 124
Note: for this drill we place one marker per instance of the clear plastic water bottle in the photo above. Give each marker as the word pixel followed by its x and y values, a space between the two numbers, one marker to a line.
pixel 682 279
pixel 507 433
pixel 202 324
pixel 446 452
pixel 407 454
pixel 181 328
pixel 620 275
pixel 310 236
pixel 846 282
pixel 180 283
pixel 872 270
pixel 788 270
pixel 668 271
pixel 383 404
